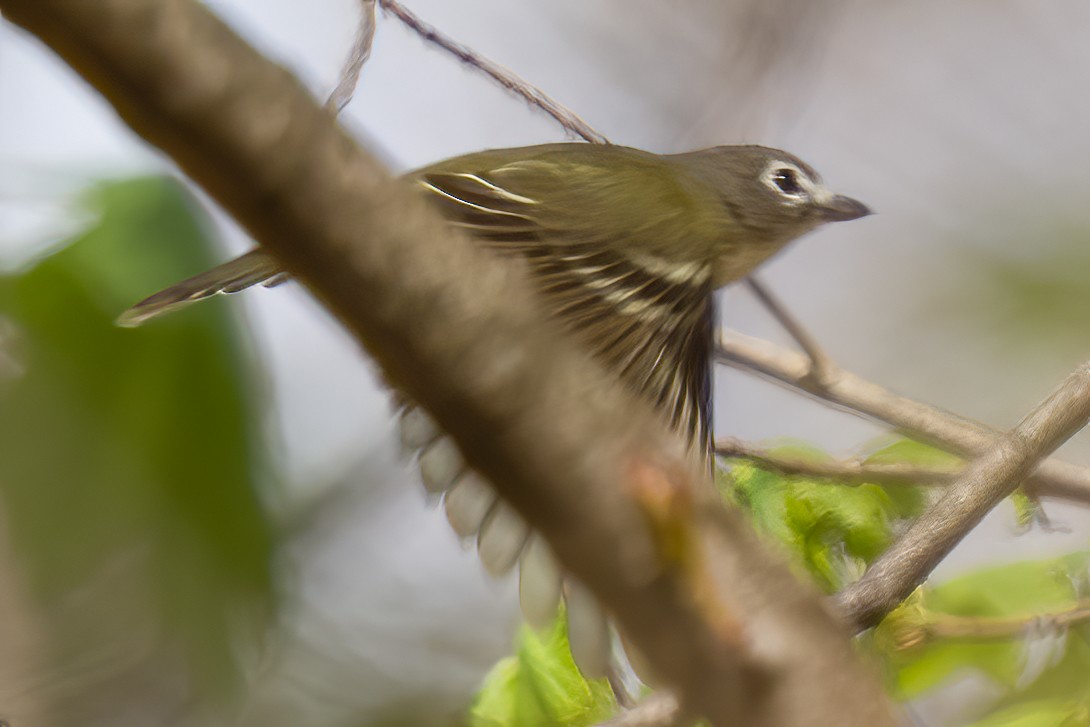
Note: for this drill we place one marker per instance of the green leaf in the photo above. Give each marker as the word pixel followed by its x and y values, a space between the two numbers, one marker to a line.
pixel 129 456
pixel 833 530
pixel 909 502
pixel 1018 590
pixel 1044 713
pixel 1065 678
pixel 540 686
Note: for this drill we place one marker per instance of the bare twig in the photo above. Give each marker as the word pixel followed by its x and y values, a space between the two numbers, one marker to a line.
pixel 533 95
pixel 634 518
pixel 964 627
pixel 820 363
pixel 936 626
pixel 660 709
pixel 854 471
pixel 987 480
pixel 357 56
pixel 849 392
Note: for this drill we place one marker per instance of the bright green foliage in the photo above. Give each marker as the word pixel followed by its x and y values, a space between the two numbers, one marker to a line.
pixel 832 530
pixel 1043 713
pixel 540 686
pixel 918 662
pixel 1026 509
pixel 129 456
pixel 912 500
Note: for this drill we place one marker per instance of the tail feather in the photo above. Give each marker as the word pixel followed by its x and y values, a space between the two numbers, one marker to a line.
pixel 254 268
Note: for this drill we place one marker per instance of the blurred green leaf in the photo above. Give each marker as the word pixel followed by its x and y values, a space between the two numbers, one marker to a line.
pixel 540 686
pixel 909 502
pixel 1021 589
pixel 129 456
pixel 833 530
pixel 1044 713
pixel 1026 292
pixel 1064 680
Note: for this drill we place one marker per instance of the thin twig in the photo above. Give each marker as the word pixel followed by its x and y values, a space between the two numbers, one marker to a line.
pixel 660 709
pixel 994 475
pixel 964 627
pixel 916 420
pixel 977 628
pixel 357 56
pixel 820 363
pixel 854 471
pixel 533 95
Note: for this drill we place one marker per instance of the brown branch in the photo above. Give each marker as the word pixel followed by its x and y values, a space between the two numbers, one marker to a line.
pixel 820 363
pixel 854 471
pixel 849 392
pixel 510 81
pixel 721 619
pixel 660 709
pixel 934 626
pixel 357 56
pixel 965 627
pixel 995 474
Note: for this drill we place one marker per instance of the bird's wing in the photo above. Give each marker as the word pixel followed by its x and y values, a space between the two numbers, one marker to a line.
pixel 646 317
pixel 601 268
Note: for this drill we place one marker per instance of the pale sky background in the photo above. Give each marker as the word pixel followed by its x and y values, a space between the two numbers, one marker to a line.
pixel 963 125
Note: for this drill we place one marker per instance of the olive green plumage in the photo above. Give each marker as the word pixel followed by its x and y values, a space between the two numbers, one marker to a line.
pixel 625 246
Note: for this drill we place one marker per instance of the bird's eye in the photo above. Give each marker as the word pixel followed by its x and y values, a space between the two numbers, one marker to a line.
pixel 787 181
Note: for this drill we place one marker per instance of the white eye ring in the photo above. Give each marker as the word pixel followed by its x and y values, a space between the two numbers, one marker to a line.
pixel 789 182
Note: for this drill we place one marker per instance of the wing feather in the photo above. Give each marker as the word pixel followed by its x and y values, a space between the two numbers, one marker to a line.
pixel 651 327
pixel 647 318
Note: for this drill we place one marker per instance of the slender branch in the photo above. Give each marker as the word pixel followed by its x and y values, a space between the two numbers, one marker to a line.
pixel 964 627
pixel 995 474
pixel 820 363
pixel 660 709
pixel 357 56
pixel 976 628
pixel 510 81
pixel 854 471
pixel 849 392
pixel 634 517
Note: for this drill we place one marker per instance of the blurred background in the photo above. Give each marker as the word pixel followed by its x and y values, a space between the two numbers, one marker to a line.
pixel 208 519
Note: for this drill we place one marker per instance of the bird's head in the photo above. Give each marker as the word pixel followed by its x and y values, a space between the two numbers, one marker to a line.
pixel 769 198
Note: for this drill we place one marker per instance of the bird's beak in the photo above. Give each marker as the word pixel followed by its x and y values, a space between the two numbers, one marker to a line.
pixel 842 209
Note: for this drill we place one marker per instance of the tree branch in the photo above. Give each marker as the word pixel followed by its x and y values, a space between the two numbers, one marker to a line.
pixel 660 709
pixel 933 626
pixel 721 620
pixel 848 392
pixel 820 363
pixel 986 481
pixel 848 472
pixel 357 56
pixel 510 81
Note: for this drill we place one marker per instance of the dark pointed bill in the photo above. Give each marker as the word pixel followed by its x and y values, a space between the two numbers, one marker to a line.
pixel 842 209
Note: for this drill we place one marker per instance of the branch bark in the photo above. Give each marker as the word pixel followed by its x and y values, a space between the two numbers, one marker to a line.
pixel 505 78
pixel 846 472
pixel 722 621
pixel 916 420
pixel 987 480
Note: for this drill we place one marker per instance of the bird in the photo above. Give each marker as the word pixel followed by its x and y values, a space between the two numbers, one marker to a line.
pixel 625 248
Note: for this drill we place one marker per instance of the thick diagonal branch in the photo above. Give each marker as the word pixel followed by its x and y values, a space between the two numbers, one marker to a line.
pixel 987 480
pixel 722 621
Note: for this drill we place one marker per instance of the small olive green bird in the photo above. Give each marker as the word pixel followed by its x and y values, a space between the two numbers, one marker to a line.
pixel 626 248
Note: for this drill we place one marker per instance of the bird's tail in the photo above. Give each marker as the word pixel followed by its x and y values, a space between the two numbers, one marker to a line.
pixel 254 268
